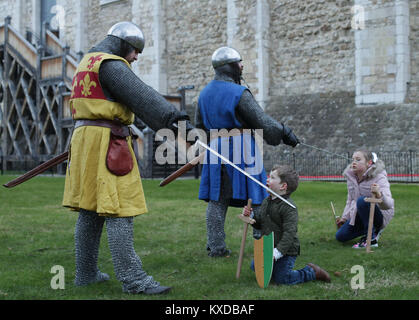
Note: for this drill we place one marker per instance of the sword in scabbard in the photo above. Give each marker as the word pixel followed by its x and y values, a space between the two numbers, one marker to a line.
pixel 37 170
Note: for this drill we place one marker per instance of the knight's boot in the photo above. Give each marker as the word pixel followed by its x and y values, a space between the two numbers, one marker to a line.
pixel 87 239
pixel 127 264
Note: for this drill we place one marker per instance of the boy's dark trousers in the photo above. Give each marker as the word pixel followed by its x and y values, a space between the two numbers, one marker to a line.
pixel 283 272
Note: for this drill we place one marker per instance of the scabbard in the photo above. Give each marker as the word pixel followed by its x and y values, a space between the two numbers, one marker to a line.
pixel 37 170
pixel 182 170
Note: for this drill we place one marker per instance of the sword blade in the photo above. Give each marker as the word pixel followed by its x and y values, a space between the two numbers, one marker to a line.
pixel 324 150
pixel 244 172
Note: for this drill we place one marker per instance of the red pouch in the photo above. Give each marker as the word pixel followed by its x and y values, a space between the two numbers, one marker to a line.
pixel 119 158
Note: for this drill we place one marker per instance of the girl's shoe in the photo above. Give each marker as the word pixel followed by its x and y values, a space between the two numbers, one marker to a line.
pixel 363 243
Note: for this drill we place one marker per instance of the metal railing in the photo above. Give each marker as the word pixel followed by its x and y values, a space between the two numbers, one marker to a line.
pixel 400 166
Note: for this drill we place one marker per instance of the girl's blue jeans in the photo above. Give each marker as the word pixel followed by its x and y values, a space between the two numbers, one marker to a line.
pixel 283 272
pixel 360 228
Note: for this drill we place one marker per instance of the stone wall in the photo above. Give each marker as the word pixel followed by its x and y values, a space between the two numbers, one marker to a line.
pixel 413 86
pixel 312 47
pixel 192 36
pixel 243 39
pixel 317 97
pixel 144 18
pixel 19 13
pixel 333 122
pixel 314 92
pixel 68 35
pixel 306 49
pixel 101 17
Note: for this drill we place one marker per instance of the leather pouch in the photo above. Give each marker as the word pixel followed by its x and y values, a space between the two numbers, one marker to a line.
pixel 118 158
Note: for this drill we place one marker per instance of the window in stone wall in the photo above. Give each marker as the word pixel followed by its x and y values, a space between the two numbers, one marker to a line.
pixel 47 13
pixel 382 51
pixel 53 15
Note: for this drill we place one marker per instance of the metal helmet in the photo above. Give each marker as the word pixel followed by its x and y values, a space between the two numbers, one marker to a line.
pixel 225 55
pixel 129 32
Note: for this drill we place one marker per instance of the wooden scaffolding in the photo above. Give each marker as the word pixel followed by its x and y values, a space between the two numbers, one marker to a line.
pixel 35 118
pixel 35 89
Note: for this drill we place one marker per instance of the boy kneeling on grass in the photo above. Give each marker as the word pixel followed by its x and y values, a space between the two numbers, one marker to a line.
pixel 277 216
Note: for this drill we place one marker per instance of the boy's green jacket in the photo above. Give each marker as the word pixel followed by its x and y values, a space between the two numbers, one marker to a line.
pixel 275 215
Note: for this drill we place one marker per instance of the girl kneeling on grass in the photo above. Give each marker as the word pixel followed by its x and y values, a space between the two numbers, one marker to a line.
pixel 365 177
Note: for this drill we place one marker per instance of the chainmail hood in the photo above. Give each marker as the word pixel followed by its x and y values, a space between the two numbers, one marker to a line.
pixel 113 45
pixel 229 70
pixel 120 83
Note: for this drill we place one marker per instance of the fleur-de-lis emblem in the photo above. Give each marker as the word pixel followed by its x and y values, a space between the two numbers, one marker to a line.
pixel 86 85
pixel 93 60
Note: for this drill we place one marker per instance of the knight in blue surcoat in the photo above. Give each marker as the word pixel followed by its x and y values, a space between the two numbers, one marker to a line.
pixel 236 126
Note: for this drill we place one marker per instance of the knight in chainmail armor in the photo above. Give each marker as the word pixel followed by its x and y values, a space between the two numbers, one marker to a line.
pixel 106 97
pixel 225 103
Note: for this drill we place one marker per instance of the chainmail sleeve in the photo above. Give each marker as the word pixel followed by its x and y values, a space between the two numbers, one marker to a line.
pixel 252 116
pixel 121 83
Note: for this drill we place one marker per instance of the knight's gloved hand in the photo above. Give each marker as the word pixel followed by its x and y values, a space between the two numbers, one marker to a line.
pixel 189 127
pixel 289 137
pixel 277 254
pixel 180 120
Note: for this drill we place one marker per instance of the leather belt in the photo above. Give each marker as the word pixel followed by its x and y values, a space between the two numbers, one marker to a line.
pixel 117 127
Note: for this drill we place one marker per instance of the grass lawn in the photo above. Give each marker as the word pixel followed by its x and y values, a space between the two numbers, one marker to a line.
pixel 36 233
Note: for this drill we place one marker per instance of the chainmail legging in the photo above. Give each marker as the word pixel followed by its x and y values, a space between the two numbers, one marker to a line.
pixel 216 215
pixel 215 218
pixel 127 264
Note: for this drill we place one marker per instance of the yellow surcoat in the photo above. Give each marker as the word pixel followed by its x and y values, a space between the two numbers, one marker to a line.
pixel 89 184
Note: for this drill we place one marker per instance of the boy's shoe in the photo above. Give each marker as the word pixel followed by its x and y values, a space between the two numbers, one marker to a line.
pixel 363 243
pixel 321 275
